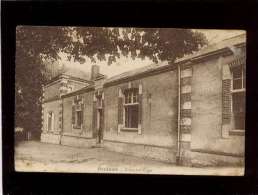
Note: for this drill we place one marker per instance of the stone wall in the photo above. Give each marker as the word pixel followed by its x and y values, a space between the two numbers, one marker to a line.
pixel 207 94
pixel 202 140
pixel 77 141
pixel 87 115
pixel 51 136
pixel 53 106
pixel 159 112
pixel 144 151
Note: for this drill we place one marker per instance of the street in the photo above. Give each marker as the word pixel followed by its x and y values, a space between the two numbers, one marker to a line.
pixel 33 156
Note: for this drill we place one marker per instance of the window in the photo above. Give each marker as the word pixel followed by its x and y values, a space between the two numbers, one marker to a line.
pixel 238 97
pixel 50 121
pixel 99 101
pixel 131 108
pixel 77 113
pixel 238 76
pixel 78 119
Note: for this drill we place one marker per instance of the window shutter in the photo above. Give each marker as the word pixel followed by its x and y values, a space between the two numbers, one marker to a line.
pixel 140 107
pixel 226 101
pixel 140 104
pixel 120 107
pixel 73 114
pixel 94 118
pixel 53 122
pixel 48 126
pixel 103 119
pixel 82 109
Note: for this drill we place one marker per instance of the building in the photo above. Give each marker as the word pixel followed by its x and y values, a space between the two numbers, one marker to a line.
pixel 191 112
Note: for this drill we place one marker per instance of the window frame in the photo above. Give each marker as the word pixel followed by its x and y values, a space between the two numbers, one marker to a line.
pixel 99 102
pixel 242 89
pixel 78 126
pixel 52 120
pixel 76 110
pixel 235 131
pixel 134 93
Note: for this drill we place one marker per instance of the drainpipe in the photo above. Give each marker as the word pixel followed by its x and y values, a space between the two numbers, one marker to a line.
pixel 178 115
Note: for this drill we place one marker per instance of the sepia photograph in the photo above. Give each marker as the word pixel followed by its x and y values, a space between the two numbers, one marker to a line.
pixel 167 101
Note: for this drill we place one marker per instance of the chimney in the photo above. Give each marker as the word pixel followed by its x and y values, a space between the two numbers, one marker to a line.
pixel 94 71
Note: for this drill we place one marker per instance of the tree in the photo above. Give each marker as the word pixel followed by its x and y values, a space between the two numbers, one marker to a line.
pixel 35 45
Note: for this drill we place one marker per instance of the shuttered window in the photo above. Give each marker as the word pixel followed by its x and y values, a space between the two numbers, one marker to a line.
pixel 77 115
pixel 238 97
pixel 50 121
pixel 131 108
pixel 79 118
pixel 226 101
pixel 73 114
pixel 94 118
pixel 120 108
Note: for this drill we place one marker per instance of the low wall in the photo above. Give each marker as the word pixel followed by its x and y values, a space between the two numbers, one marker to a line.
pixel 50 138
pixel 165 154
pixel 76 141
pixel 143 151
pixel 135 138
pixel 202 159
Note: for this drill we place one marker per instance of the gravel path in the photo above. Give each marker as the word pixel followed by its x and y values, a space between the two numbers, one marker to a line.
pixel 41 157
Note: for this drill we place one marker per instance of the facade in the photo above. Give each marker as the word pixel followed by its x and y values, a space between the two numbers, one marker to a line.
pixel 191 112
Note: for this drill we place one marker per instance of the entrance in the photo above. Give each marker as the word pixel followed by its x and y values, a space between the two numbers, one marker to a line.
pixel 100 124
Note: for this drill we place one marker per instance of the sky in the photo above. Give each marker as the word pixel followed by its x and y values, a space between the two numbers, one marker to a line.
pixel 125 64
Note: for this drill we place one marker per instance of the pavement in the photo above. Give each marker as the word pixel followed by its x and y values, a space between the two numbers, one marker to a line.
pixel 33 156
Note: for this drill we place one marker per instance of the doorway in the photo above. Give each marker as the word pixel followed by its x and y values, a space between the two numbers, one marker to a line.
pixel 100 120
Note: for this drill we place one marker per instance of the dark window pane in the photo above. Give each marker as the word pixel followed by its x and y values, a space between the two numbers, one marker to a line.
pixel 131 116
pixel 49 121
pixel 134 116
pixel 126 117
pixel 125 96
pixel 131 111
pixel 99 102
pixel 237 72
pixel 239 110
pixel 135 95
pixel 130 97
pixel 134 99
pixel 126 99
pixel 237 84
pixel 79 118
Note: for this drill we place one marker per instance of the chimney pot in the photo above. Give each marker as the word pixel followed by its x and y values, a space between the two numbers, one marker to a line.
pixel 94 71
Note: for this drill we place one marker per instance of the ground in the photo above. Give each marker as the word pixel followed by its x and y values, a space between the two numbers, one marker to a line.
pixel 41 157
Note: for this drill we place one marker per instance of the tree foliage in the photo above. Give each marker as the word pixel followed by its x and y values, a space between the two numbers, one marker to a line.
pixel 34 45
pixel 154 43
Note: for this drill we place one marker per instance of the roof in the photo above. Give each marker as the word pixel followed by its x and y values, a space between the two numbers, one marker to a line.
pixel 79 91
pixel 216 46
pixel 134 72
pixel 205 51
pixel 72 72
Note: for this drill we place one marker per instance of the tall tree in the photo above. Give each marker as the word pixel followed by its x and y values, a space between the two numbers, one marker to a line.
pixel 34 45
